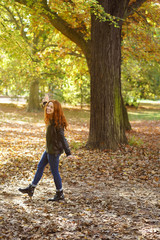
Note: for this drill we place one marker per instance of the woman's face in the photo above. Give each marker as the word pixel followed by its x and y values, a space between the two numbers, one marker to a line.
pixel 50 108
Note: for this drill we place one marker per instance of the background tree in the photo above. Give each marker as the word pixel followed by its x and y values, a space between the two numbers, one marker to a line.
pixel 41 52
pixel 140 55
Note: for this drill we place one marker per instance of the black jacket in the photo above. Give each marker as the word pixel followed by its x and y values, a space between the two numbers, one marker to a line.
pixel 56 141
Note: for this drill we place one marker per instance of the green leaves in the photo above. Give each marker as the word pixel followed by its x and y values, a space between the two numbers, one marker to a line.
pixel 98 11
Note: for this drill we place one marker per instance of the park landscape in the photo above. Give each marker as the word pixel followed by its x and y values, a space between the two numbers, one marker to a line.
pixel 100 59
pixel 108 194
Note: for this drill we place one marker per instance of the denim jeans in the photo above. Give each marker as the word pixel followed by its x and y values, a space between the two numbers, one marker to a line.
pixel 53 161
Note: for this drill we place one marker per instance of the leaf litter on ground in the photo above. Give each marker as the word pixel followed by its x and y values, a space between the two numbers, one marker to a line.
pixel 108 195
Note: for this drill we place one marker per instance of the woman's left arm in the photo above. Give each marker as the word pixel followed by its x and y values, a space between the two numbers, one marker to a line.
pixel 64 141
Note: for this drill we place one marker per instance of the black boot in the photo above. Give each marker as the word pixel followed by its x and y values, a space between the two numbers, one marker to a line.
pixel 58 196
pixel 29 190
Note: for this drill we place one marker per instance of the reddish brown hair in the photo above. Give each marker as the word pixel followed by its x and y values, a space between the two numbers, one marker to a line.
pixel 57 115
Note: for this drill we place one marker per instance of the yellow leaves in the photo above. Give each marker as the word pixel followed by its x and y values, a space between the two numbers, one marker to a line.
pixel 76 14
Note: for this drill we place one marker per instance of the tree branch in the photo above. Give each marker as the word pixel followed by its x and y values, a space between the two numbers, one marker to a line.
pixel 132 7
pixel 10 14
pixel 75 35
pixel 73 53
pixel 144 18
pixel 18 24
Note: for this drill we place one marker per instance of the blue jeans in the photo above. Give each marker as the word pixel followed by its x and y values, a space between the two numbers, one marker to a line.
pixel 53 161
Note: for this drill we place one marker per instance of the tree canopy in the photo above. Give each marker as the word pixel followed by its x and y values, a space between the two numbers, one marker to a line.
pixel 43 30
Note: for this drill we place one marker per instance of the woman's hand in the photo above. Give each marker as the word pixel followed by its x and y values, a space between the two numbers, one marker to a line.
pixel 45 100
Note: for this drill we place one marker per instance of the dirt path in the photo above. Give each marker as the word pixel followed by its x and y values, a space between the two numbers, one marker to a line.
pixel 107 195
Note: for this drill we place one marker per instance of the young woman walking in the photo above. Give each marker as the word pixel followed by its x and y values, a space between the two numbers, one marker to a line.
pixel 55 144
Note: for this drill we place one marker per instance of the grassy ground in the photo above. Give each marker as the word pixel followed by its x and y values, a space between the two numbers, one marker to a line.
pixel 145 111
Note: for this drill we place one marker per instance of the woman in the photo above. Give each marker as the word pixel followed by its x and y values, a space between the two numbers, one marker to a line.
pixel 55 144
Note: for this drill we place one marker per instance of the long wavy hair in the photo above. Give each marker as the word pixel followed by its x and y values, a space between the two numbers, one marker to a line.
pixel 57 116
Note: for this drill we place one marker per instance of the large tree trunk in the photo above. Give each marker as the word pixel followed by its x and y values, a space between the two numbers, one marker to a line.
pixel 33 104
pixel 107 126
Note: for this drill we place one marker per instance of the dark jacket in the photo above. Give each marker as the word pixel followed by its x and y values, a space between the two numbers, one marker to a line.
pixel 56 141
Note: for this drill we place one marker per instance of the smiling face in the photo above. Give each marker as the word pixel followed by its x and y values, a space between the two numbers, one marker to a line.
pixel 50 108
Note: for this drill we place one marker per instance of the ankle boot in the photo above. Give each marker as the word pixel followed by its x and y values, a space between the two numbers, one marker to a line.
pixel 58 196
pixel 29 190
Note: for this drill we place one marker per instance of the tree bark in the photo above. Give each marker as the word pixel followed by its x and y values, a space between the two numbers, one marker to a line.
pixel 33 103
pixel 107 127
pixel 125 117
